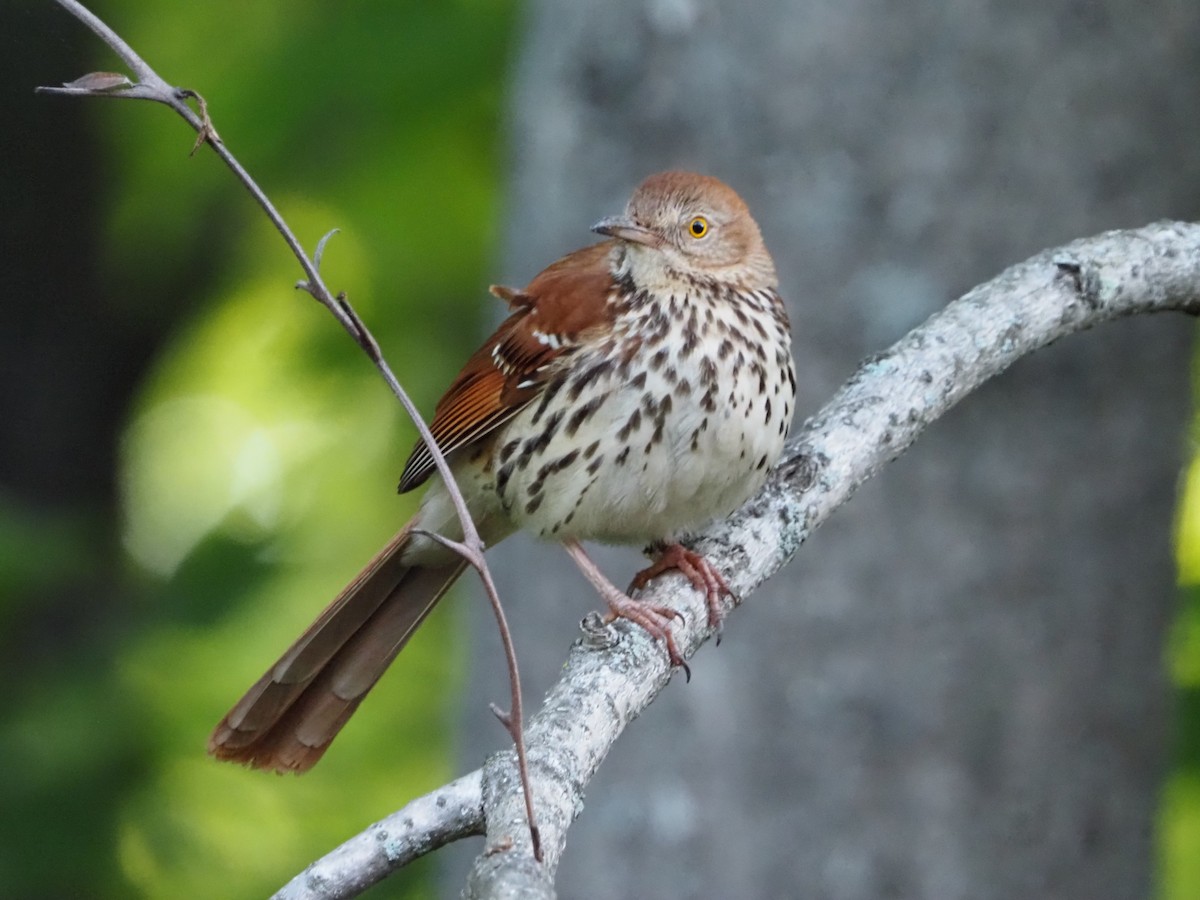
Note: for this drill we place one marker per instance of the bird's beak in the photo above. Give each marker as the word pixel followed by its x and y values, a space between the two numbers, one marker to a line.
pixel 625 229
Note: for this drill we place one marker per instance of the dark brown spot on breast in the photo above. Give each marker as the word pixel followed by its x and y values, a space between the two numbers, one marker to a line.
pixel 589 375
pixel 550 468
pixel 583 413
pixel 555 465
pixel 690 338
pixel 760 370
pixel 631 424
pixel 502 478
pixel 629 347
pixel 509 449
pixel 547 397
pixel 540 441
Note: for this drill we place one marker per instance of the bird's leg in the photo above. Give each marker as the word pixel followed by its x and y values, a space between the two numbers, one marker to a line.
pixel 655 618
pixel 695 568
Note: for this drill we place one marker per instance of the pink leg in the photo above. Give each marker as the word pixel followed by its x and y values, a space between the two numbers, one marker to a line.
pixel 654 618
pixel 695 568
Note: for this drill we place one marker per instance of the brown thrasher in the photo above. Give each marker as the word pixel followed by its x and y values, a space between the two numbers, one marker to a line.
pixel 640 388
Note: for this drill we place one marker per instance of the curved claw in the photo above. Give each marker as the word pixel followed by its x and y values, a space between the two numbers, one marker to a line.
pixel 703 575
pixel 654 618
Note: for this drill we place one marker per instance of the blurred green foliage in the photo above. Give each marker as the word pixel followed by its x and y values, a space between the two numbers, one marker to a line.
pixel 258 462
pixel 1179 844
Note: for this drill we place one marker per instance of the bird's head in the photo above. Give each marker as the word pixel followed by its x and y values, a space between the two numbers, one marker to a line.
pixel 683 225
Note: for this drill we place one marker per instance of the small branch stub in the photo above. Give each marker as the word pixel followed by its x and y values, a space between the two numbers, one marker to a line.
pixel 1084 279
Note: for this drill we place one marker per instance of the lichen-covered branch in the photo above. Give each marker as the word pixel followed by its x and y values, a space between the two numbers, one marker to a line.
pixel 451 812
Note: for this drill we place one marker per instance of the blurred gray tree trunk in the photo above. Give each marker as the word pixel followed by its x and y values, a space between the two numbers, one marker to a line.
pixel 957 689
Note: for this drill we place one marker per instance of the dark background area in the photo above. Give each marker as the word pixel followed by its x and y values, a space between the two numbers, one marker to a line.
pixel 979 680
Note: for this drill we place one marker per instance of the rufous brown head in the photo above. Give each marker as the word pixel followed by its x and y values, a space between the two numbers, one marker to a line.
pixel 681 224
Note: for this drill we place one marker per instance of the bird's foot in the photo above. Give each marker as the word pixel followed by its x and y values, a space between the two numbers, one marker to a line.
pixel 653 617
pixel 703 575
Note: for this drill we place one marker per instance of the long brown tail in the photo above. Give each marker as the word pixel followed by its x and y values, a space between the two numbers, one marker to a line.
pixel 288 719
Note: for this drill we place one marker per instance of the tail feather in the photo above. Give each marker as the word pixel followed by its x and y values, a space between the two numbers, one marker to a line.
pixel 287 720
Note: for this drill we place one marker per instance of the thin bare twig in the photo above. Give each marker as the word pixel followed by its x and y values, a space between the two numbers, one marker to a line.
pixel 513 719
pixel 150 86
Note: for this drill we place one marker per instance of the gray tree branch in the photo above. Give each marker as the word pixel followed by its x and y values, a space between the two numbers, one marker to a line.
pixel 453 811
pixel 614 672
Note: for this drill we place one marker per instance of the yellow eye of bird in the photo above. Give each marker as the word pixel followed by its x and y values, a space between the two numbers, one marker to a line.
pixel 698 227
